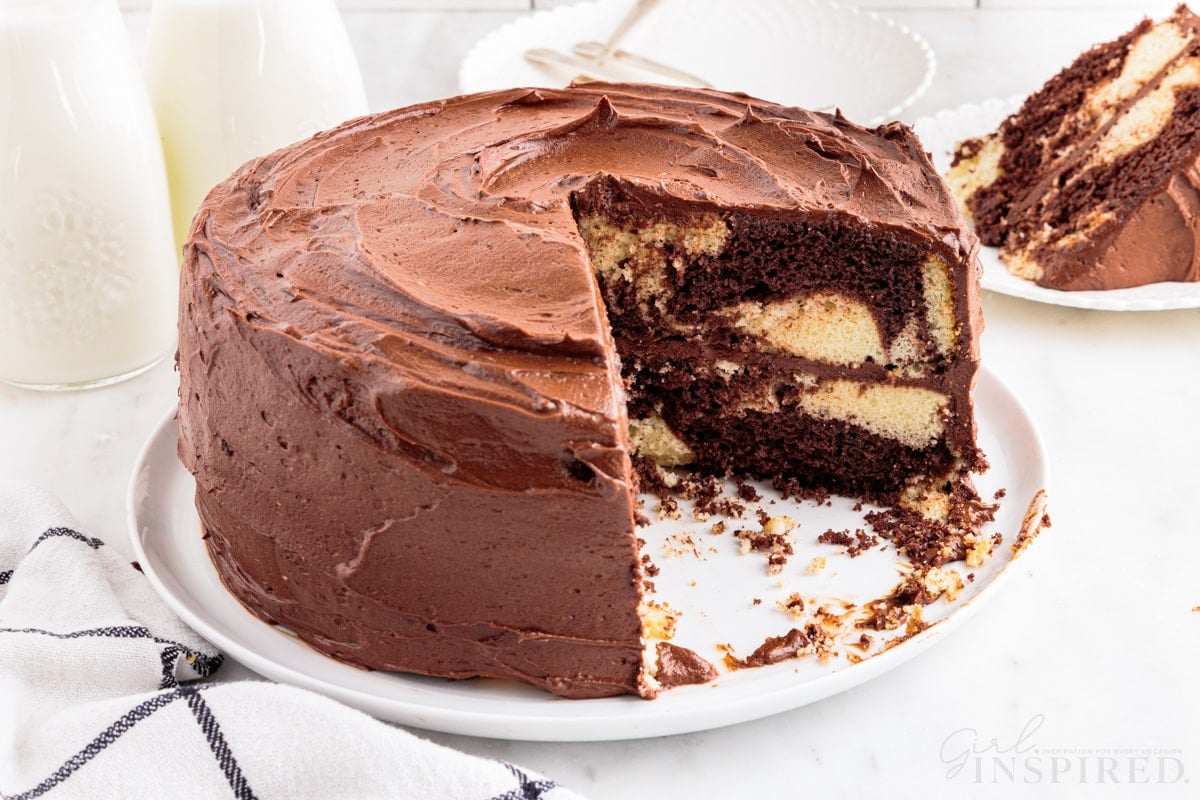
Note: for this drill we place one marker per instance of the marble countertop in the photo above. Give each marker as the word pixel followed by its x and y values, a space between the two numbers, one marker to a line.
pixel 1088 652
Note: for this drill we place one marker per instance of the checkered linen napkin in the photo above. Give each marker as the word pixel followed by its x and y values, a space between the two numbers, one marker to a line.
pixel 101 695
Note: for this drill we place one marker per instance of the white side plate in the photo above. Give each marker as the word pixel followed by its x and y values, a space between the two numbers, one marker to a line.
pixel 714 593
pixel 945 129
pixel 809 53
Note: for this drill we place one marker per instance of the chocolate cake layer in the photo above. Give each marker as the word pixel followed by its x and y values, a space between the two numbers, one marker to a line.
pixel 400 394
pixel 813 425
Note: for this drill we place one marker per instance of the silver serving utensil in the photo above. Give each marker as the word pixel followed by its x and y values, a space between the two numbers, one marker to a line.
pixel 623 27
pixel 593 59
pixel 587 70
pixel 596 52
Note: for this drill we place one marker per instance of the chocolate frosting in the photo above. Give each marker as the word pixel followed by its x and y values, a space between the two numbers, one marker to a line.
pixel 399 393
pixel 1159 241
pixel 679 666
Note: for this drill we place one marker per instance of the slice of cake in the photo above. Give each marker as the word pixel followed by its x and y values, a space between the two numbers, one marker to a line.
pixel 420 353
pixel 1093 183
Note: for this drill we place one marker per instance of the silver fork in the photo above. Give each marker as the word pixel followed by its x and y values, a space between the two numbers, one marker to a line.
pixel 593 58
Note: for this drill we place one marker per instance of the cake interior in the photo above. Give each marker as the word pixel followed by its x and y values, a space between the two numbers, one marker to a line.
pixel 810 352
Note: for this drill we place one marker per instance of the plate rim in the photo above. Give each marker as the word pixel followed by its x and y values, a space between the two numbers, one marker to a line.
pixel 466 66
pixel 996 278
pixel 579 725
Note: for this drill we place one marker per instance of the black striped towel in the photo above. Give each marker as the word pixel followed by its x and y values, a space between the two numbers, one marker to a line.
pixel 103 694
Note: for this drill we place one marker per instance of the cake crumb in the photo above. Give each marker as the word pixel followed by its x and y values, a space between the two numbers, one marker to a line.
pixel 978 549
pixel 902 606
pixel 719 528
pixel 934 542
pixel 777 546
pixel 668 508
pixel 816 566
pixel 659 620
pixel 758 602
pixel 747 492
pixel 682 544
pixel 780 525
pixel 831 536
pixel 940 581
pixel 708 496
pixel 855 544
pixel 794 605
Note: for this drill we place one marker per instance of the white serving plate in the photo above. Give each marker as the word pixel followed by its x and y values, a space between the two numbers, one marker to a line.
pixel 714 596
pixel 810 53
pixel 945 129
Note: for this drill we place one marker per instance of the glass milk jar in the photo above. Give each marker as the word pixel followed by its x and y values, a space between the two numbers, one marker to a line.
pixel 88 278
pixel 234 79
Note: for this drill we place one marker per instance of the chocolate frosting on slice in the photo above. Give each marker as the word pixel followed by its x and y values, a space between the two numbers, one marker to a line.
pixel 399 393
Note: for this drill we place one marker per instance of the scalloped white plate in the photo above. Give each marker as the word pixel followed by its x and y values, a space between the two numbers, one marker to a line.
pixel 713 590
pixel 810 53
pixel 942 131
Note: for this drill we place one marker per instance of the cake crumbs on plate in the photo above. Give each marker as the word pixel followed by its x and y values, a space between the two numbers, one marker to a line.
pixel 794 605
pixel 922 586
pixel 747 492
pixel 709 499
pixel 668 508
pixel 684 543
pixel 933 542
pixel 816 565
pixel 774 539
pixel 855 543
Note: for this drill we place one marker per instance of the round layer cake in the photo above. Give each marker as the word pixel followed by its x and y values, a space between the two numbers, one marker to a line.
pixel 421 353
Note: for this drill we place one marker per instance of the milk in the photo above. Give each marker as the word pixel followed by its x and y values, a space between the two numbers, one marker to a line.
pixel 88 278
pixel 234 79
